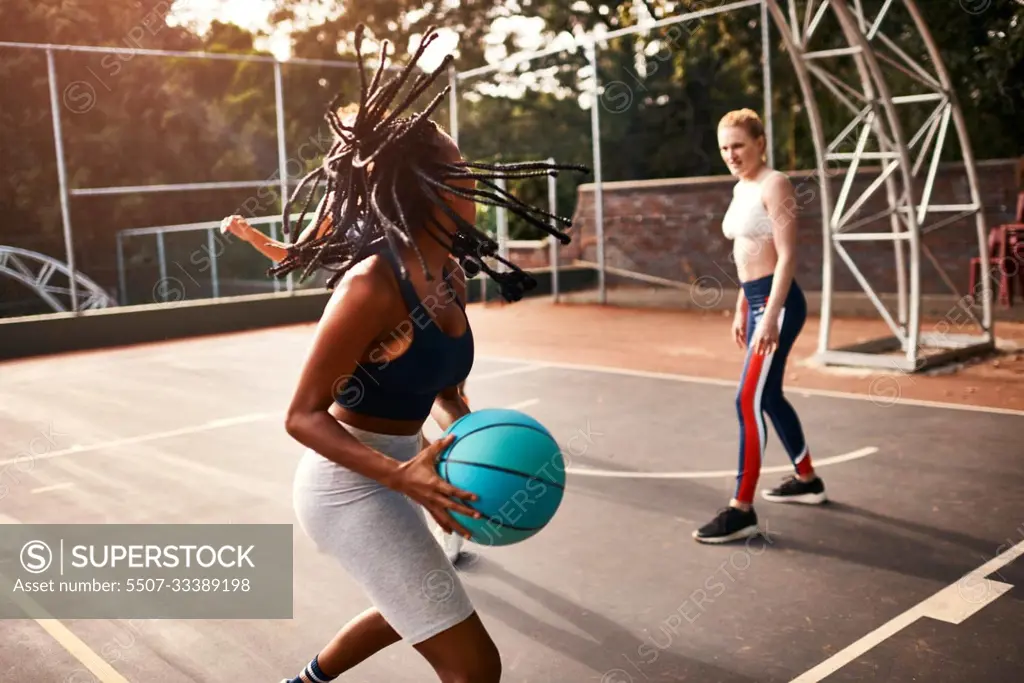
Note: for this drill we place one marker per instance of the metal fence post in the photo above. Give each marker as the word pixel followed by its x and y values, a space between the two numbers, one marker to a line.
pixel 161 256
pixel 553 210
pixel 122 285
pixel 282 161
pixel 502 225
pixel 766 70
pixel 214 280
pixel 595 132
pixel 453 103
pixel 62 177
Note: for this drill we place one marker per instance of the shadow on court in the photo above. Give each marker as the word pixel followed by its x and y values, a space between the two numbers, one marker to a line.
pixel 612 652
pixel 872 539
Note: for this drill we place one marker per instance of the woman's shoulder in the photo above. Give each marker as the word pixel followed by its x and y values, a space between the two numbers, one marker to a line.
pixel 773 182
pixel 368 286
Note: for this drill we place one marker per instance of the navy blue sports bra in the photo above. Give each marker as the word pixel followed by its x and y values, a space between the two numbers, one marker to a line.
pixel 405 388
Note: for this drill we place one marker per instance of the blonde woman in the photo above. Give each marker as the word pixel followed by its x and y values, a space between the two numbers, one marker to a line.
pixel 770 314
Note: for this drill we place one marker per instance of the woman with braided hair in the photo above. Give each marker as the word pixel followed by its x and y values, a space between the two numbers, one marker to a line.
pixel 276 251
pixel 391 348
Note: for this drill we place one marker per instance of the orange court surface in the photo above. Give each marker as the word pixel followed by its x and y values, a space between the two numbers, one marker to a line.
pixel 698 343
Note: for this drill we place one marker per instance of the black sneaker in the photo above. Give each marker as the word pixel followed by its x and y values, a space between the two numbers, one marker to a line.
pixel 792 490
pixel 731 524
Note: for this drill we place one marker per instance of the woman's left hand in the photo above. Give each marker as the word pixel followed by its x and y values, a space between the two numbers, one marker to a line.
pixel 236 225
pixel 766 336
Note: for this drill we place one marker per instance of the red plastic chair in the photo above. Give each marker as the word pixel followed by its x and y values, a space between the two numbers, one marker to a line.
pixel 1006 253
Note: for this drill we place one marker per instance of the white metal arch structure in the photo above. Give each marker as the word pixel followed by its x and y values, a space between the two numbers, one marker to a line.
pixel 38 271
pixel 877 129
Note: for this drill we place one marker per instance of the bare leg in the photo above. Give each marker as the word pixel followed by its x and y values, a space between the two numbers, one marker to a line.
pixel 359 639
pixel 463 653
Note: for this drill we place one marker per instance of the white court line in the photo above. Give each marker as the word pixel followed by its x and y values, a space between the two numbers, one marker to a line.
pixel 881 402
pixel 523 404
pixel 216 424
pixel 142 438
pixel 533 367
pixel 949 605
pixel 53 487
pixel 625 474
pixel 100 668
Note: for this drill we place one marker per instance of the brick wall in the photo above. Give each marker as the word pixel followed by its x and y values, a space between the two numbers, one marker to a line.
pixel 672 228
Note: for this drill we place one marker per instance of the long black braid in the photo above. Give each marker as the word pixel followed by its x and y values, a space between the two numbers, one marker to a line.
pixel 373 207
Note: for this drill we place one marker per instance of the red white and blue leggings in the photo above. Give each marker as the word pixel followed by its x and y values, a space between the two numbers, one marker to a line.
pixel 760 389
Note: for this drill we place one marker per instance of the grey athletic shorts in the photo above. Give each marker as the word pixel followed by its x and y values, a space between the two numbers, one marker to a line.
pixel 381 539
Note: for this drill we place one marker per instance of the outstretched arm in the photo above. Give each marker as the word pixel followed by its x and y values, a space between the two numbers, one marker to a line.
pixel 272 249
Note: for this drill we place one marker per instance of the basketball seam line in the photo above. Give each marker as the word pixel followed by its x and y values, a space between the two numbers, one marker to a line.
pixel 516 424
pixel 500 469
pixel 445 458
pixel 513 527
pixel 497 520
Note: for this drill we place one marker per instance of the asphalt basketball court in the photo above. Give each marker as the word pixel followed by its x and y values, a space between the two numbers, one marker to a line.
pixel 911 573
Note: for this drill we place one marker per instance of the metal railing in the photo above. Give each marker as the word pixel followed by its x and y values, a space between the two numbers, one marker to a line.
pixel 212 230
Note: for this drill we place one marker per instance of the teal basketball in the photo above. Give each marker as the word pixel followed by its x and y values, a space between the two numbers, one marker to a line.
pixel 511 461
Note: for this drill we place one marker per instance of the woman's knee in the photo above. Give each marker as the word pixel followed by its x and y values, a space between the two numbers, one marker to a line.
pixel 487 670
pixel 775 404
pixel 464 653
pixel 481 664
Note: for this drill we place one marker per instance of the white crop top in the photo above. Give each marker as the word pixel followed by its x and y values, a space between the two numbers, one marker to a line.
pixel 747 216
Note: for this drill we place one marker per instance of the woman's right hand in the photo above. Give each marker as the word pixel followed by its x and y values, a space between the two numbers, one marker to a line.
pixel 418 479
pixel 739 329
